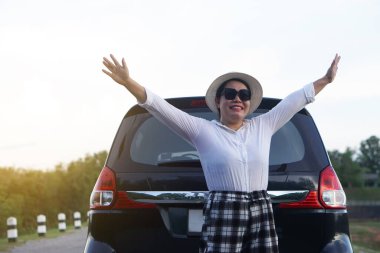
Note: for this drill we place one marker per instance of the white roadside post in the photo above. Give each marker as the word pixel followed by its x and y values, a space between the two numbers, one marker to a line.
pixel 12 229
pixel 41 225
pixel 62 222
pixel 77 220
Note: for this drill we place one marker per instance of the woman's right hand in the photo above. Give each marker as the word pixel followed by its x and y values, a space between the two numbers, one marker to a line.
pixel 119 73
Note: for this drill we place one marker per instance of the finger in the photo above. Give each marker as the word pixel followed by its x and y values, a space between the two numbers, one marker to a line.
pixel 123 63
pixel 334 63
pixel 109 66
pixel 336 59
pixel 115 61
pixel 107 73
pixel 107 61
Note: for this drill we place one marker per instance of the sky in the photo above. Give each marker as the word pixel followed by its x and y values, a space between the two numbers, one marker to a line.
pixel 56 105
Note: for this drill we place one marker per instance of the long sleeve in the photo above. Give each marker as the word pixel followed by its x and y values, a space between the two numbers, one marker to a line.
pixel 289 106
pixel 180 122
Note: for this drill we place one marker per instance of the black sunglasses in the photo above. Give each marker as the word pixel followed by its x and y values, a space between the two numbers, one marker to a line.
pixel 230 94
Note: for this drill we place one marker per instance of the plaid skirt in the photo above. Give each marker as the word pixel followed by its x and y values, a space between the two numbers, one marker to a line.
pixel 238 222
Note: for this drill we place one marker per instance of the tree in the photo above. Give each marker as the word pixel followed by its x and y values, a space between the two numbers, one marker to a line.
pixel 369 156
pixel 349 172
pixel 25 194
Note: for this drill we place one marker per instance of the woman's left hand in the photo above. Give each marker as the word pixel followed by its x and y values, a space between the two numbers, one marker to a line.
pixel 331 72
pixel 329 77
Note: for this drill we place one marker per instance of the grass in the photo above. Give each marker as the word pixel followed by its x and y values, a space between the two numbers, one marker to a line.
pixel 359 249
pixel 6 246
pixel 365 235
pixel 369 194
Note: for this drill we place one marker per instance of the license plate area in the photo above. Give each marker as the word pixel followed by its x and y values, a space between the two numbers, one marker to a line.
pixel 182 222
pixel 195 222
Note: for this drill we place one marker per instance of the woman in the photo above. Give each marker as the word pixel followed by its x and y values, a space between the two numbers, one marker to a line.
pixel 234 153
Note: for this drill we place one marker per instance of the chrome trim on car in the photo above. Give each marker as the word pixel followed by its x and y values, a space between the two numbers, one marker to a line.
pixel 287 196
pixel 167 197
pixel 194 197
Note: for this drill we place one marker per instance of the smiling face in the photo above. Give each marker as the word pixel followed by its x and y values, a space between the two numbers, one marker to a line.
pixel 233 112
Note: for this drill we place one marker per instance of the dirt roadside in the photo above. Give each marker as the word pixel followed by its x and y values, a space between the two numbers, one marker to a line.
pixel 72 242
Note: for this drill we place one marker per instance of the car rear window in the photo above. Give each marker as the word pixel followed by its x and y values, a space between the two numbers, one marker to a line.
pixel 153 144
pixel 144 142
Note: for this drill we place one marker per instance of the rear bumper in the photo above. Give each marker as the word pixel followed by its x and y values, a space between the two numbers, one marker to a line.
pixel 341 243
pixel 312 230
pixel 123 231
pixel 95 246
pixel 143 230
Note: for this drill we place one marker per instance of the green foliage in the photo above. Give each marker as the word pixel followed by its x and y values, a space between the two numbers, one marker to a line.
pixel 363 194
pixel 349 171
pixel 369 156
pixel 358 169
pixel 24 194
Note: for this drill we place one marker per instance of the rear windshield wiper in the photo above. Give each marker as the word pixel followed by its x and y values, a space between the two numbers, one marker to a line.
pixel 180 163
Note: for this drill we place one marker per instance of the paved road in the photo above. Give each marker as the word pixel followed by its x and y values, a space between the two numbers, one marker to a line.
pixel 72 242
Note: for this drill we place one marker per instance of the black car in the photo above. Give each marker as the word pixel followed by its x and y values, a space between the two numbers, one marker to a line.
pixel 150 194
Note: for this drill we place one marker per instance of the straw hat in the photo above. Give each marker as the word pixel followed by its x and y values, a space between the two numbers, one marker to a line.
pixel 253 84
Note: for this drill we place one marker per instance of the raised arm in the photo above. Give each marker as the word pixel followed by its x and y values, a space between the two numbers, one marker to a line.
pixel 180 122
pixel 120 74
pixel 329 77
pixel 297 100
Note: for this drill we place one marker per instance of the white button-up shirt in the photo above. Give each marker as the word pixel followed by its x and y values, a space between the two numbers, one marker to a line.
pixel 231 160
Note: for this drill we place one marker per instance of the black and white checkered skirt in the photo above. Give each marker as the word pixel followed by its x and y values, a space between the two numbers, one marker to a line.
pixel 238 222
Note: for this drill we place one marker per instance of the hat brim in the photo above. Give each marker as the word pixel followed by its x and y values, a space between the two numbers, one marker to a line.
pixel 254 86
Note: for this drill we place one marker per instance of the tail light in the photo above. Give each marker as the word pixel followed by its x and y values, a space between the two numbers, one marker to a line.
pixel 329 196
pixel 105 196
pixel 310 202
